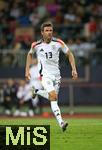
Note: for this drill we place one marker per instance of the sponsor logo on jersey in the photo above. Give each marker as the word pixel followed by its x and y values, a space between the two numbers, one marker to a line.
pixel 41 50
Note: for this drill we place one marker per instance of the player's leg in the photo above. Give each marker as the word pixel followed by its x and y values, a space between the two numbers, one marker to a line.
pixel 35 101
pixel 51 92
pixel 53 96
pixel 57 86
pixel 54 106
pixel 42 91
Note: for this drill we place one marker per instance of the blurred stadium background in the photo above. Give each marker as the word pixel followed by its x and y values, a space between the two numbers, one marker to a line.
pixel 79 24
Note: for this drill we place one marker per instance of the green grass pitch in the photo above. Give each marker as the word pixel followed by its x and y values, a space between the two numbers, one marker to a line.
pixel 82 134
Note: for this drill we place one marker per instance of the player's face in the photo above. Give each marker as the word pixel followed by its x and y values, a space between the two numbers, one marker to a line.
pixel 47 33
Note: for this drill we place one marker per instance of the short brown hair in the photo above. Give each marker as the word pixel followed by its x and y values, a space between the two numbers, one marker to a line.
pixel 46 24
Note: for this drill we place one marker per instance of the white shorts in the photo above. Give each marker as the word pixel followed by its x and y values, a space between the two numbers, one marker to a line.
pixel 51 83
pixel 36 83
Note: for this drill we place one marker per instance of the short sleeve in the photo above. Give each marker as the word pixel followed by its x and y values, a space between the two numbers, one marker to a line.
pixel 32 49
pixel 63 47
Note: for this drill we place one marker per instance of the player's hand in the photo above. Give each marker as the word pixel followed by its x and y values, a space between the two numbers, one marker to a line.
pixel 27 76
pixel 74 74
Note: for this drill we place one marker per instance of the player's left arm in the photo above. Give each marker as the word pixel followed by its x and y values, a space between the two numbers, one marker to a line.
pixel 71 58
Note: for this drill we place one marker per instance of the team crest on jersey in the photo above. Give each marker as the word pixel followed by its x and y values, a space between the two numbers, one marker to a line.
pixel 53 47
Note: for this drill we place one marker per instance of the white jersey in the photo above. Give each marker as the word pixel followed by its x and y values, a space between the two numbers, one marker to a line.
pixel 48 55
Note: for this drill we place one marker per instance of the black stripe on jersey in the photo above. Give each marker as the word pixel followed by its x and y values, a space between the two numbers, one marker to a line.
pixel 54 39
pixel 37 43
pixel 40 71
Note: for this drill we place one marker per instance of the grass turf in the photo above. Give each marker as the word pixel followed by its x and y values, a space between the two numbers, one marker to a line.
pixel 82 134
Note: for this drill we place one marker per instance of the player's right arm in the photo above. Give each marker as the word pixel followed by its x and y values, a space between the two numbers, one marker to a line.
pixel 29 62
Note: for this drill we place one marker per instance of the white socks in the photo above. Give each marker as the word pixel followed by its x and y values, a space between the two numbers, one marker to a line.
pixel 54 106
pixel 56 111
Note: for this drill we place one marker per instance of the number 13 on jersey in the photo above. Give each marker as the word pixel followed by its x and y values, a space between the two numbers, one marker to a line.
pixel 48 55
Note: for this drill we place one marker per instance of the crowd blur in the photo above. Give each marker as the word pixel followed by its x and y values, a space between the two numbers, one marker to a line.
pixel 16 94
pixel 78 23
pixel 16 99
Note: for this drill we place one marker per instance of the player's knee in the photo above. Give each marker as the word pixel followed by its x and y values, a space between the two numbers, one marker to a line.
pixel 53 96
